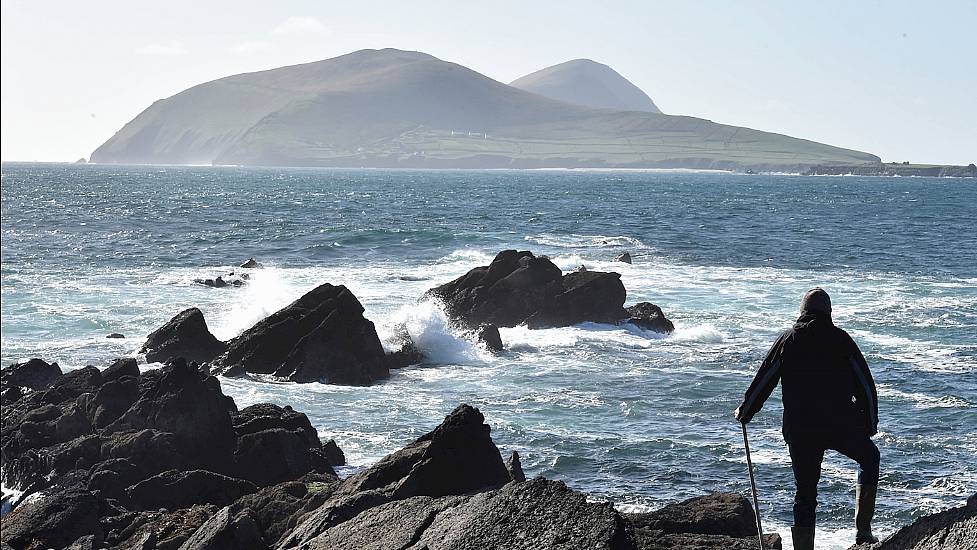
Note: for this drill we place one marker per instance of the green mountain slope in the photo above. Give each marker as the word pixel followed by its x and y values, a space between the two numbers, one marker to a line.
pixel 387 108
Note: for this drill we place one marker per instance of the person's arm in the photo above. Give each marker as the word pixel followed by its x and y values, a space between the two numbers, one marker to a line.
pixel 867 396
pixel 764 382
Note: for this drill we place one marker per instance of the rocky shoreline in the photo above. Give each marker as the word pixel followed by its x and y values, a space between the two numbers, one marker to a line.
pixel 119 458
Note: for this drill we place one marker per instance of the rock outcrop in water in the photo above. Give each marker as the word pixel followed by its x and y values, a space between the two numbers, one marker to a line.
pixel 322 336
pixel 521 288
pixel 186 335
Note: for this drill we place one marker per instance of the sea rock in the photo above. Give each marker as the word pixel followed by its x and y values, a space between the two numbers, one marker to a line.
pixel 955 528
pixel 406 351
pixel 649 317
pixel 514 465
pixel 322 336
pixel 457 457
pixel 115 335
pixel 714 514
pixel 227 530
pixel 488 335
pixel 123 366
pixel 518 287
pixel 535 514
pixel 53 519
pixel 186 335
pixel 175 489
pixel 251 263
pixel 626 258
pixel 188 405
pixel 276 444
pixel 717 520
pixel 35 374
pixel 167 529
pixel 224 281
pixel 593 296
pixel 334 455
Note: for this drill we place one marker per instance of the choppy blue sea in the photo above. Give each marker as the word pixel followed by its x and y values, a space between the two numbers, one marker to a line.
pixel 622 414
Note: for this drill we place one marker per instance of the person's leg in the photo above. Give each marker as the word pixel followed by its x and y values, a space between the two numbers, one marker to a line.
pixel 805 460
pixel 861 449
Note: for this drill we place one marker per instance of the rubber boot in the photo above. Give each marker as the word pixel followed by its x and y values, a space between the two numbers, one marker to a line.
pixel 864 512
pixel 803 538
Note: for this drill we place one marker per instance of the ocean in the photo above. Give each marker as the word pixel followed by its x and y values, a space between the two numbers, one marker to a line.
pixel 628 416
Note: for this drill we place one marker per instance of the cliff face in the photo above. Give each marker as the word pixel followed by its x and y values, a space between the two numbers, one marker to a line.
pixel 390 108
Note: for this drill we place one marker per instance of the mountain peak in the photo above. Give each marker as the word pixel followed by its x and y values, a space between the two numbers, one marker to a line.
pixel 589 83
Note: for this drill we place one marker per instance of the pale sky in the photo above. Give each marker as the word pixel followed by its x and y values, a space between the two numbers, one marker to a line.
pixel 898 79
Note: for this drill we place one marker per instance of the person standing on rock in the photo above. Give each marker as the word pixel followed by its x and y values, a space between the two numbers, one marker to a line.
pixel 830 402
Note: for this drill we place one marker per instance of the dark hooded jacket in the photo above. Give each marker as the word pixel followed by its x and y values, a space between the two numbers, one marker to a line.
pixel 827 386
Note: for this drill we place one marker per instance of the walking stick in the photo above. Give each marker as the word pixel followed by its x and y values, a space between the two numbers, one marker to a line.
pixel 756 501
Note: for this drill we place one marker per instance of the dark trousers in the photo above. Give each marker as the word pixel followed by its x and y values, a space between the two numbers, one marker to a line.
pixel 806 454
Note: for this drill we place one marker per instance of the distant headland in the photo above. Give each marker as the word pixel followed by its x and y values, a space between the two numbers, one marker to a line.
pixel 400 109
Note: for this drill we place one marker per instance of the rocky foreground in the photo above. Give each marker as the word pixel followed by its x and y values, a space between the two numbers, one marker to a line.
pixel 120 459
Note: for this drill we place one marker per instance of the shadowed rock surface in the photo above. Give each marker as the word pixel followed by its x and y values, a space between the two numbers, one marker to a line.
pixel 649 317
pixel 322 336
pixel 35 374
pixel 97 451
pixel 185 335
pixel 953 529
pixel 519 287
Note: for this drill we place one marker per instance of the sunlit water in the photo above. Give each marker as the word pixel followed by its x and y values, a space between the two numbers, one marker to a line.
pixel 622 414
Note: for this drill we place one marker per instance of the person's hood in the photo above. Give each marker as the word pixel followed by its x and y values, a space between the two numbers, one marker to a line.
pixel 812 320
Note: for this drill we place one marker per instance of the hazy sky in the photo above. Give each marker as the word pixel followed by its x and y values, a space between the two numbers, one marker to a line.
pixel 898 79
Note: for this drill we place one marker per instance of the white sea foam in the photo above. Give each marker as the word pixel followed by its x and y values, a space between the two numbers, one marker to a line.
pixel 432 333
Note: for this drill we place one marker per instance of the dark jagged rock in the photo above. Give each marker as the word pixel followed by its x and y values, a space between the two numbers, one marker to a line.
pixel 227 530
pixel 115 335
pixel 275 444
pixel 593 296
pixel 35 374
pixel 322 336
pixel 251 263
pixel 514 465
pixel 518 287
pixel 123 366
pixel 488 335
pixel 718 520
pixel 102 448
pixel 334 455
pixel 53 519
pixel 626 258
pixel 649 317
pixel 175 489
pixel 714 514
pixel 535 514
pixel 185 335
pixel 169 529
pixel 951 529
pixel 188 405
pixel 407 354
pixel 505 293
pixel 457 457
pixel 224 281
